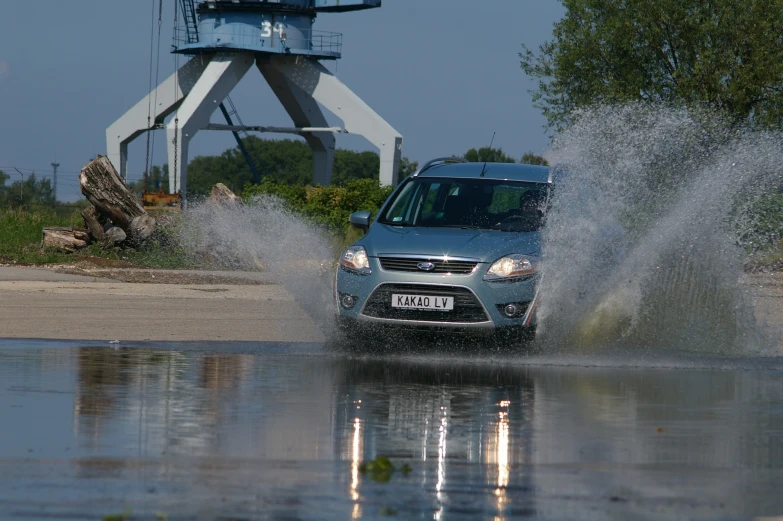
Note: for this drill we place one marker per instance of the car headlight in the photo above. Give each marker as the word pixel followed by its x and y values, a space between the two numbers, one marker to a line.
pixel 355 259
pixel 511 266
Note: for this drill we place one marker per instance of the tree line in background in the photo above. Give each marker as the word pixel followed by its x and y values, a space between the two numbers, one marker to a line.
pixel 725 55
pixel 330 206
pixel 282 162
pixel 290 162
pixel 719 57
pixel 286 168
pixel 26 192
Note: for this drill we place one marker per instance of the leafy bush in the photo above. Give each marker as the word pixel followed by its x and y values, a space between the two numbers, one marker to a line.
pixel 763 228
pixel 328 206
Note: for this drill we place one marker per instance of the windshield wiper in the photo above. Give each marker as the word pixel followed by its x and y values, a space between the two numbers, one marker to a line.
pixel 394 223
pixel 460 226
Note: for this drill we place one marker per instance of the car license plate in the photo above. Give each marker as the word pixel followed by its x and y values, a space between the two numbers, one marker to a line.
pixel 428 302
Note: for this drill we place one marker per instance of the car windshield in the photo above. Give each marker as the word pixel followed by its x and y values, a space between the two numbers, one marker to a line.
pixel 490 204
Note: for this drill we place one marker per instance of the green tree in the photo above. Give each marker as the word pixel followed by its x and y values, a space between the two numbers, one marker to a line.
pixel 286 161
pixel 26 192
pixel 407 167
pixel 3 178
pixel 157 179
pixel 349 165
pixel 725 54
pixel 533 159
pixel 491 155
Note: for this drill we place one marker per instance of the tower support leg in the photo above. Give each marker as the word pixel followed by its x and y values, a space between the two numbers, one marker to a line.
pixel 311 82
pixel 304 112
pixel 156 105
pixel 216 82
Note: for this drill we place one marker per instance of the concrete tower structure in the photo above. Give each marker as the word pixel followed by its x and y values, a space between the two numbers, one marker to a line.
pixel 225 39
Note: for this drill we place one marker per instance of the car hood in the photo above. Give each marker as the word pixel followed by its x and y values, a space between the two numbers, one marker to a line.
pixel 485 245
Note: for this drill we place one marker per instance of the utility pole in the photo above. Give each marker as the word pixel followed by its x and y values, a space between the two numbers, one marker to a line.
pixel 21 186
pixel 55 166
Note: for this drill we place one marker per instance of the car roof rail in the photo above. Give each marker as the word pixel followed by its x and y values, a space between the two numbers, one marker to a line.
pixel 438 161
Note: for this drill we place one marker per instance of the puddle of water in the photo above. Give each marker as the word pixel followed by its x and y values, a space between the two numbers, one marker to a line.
pixel 281 431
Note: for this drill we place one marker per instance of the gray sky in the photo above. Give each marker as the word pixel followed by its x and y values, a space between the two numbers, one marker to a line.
pixel 445 73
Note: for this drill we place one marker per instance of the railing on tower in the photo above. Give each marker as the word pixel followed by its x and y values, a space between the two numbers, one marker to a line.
pixel 320 42
pixel 228 113
pixel 190 21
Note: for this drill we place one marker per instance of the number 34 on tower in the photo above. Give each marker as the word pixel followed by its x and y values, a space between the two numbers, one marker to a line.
pixel 267 29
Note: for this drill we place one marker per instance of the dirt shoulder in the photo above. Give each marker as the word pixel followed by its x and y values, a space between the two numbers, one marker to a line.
pixel 125 272
pixel 767 291
pixel 113 303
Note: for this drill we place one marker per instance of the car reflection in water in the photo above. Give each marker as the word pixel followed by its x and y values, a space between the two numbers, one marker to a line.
pixel 465 431
pixel 284 435
pixel 477 419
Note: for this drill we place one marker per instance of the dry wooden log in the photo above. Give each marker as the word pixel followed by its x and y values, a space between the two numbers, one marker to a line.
pixel 104 188
pixel 91 222
pixel 223 196
pixel 66 239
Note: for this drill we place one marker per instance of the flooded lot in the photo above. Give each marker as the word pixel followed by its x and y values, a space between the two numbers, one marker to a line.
pixel 280 431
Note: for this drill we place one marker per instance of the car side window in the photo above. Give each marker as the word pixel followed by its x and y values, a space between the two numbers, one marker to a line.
pixel 429 203
pixel 401 209
pixel 430 199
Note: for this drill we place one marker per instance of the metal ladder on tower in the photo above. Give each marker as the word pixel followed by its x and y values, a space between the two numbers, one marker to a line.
pixel 191 20
pixel 240 144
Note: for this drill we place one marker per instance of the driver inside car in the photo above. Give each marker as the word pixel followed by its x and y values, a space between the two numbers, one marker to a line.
pixel 530 206
pixel 481 199
pixel 528 217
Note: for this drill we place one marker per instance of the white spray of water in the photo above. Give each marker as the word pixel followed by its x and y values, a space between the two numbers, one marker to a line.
pixel 641 245
pixel 640 248
pixel 292 251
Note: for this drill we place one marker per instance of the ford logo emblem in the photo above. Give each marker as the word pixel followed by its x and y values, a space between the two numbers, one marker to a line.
pixel 425 266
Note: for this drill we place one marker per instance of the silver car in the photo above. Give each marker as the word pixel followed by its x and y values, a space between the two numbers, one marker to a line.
pixel 455 247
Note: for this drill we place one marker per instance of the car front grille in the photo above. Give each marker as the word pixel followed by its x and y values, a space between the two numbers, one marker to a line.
pixel 467 307
pixel 453 267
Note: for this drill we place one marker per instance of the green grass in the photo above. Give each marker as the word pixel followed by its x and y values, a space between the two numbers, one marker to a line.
pixel 124 516
pixel 21 232
pixel 773 256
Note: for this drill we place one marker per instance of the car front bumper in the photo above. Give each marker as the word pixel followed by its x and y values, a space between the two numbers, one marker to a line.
pixel 478 304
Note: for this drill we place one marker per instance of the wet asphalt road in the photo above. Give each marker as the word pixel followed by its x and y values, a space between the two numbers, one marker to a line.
pixel 279 431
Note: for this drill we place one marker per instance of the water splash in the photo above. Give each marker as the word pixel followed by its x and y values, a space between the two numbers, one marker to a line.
pixel 265 234
pixel 641 247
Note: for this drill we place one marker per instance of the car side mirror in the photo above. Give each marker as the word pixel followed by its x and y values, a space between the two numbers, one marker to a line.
pixel 360 220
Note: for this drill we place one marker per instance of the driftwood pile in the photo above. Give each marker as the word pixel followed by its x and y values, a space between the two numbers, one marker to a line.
pixel 115 218
pixel 66 239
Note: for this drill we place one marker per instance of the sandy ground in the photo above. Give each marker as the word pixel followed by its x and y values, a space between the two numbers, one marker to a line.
pixel 94 302
pixel 174 305
pixel 768 300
